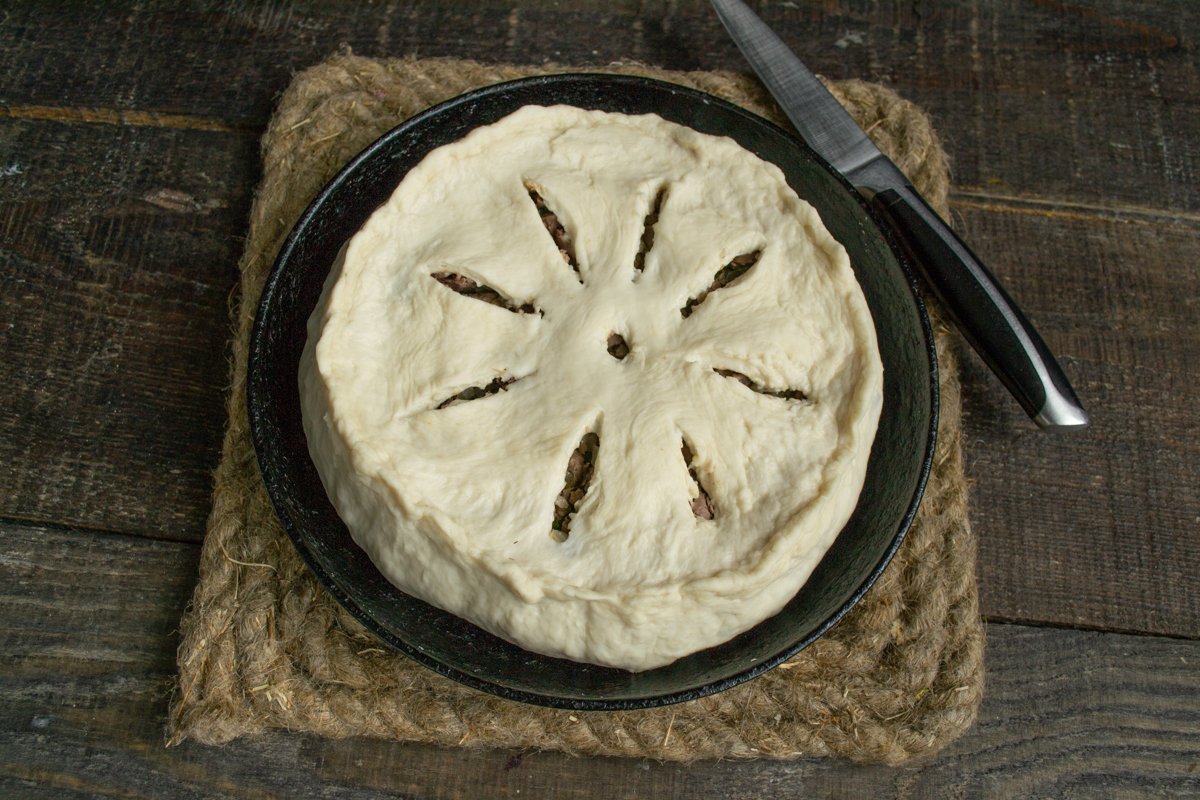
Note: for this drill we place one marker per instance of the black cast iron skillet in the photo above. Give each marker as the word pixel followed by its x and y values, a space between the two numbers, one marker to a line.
pixel 896 473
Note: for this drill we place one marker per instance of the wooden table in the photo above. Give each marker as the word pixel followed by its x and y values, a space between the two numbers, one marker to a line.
pixel 128 155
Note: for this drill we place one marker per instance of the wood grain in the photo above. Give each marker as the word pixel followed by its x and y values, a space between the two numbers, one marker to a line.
pixel 128 156
pixel 118 250
pixel 116 296
pixel 121 211
pixel 1093 528
pixel 1050 99
pixel 86 658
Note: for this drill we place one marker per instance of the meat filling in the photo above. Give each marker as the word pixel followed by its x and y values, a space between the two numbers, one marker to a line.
pixel 579 474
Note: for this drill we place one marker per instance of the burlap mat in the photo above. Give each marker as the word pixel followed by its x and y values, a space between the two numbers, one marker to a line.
pixel 264 646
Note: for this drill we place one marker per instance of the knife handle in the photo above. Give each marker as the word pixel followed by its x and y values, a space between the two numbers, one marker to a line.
pixel 983 311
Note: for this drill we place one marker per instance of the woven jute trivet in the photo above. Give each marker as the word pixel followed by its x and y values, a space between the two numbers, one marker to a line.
pixel 264 646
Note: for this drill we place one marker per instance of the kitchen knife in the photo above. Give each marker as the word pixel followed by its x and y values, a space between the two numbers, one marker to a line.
pixel 969 293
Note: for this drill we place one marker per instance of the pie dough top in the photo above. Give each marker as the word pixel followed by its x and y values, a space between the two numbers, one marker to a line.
pixel 455 504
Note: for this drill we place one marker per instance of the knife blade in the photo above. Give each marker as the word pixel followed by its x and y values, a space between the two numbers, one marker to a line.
pixel 974 300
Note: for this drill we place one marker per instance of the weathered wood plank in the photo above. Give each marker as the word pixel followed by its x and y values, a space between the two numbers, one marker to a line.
pixel 117 268
pixel 118 250
pixel 86 648
pixel 1055 100
pixel 126 165
pixel 120 231
pixel 1094 528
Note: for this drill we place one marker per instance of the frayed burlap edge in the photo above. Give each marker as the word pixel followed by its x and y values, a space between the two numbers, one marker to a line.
pixel 264 646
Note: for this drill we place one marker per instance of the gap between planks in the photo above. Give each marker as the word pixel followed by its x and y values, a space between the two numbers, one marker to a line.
pixel 8 520
pixel 966 197
pixel 125 117
pixel 1061 625
pixel 977 199
pixel 990 619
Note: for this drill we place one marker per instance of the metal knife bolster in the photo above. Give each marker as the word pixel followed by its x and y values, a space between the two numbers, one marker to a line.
pixel 972 297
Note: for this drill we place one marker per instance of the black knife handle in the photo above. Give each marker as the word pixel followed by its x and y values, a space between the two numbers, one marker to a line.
pixel 983 311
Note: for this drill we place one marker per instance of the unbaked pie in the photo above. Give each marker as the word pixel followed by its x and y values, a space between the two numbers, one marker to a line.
pixel 601 384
